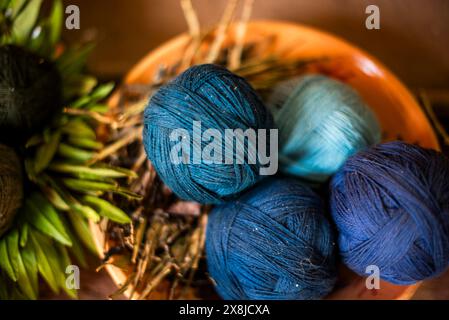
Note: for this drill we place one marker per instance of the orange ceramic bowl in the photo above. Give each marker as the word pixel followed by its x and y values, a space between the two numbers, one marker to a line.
pixel 398 112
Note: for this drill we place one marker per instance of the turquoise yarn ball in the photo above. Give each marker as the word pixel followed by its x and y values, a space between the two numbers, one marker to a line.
pixel 221 101
pixel 321 123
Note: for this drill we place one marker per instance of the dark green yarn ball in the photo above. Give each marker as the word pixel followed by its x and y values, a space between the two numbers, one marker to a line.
pixel 11 186
pixel 30 92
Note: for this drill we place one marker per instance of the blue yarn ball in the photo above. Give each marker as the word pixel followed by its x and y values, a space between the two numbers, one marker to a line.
pixel 274 243
pixel 391 206
pixel 321 123
pixel 220 100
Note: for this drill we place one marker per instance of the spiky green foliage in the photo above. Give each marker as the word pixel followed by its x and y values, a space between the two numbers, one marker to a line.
pixel 66 187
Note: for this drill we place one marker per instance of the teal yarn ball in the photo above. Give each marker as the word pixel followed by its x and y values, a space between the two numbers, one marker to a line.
pixel 272 243
pixel 321 123
pixel 219 100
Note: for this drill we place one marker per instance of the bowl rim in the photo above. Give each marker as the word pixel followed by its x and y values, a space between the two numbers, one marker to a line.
pixel 148 60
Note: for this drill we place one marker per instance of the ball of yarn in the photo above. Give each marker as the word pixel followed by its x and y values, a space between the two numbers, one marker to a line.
pixel 274 242
pixel 321 122
pixel 391 206
pixel 219 100
pixel 10 186
pixel 30 92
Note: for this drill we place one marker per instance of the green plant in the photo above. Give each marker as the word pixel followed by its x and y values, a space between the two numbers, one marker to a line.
pixel 65 187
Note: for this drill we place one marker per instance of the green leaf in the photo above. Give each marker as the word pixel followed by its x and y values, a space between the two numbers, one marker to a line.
pixel 25 21
pixel 16 6
pixel 100 108
pixel 52 215
pixel 89 173
pixel 74 154
pixel 24 280
pixel 5 262
pixel 4 4
pixel 65 259
pixel 85 143
pixel 45 257
pixel 71 202
pixel 30 263
pixel 76 248
pixel 102 91
pixel 45 219
pixel 78 128
pixel 73 60
pixel 29 169
pixel 82 230
pixel 79 85
pixel 47 151
pixel 37 41
pixel 85 211
pixel 35 140
pixel 65 262
pixel 108 210
pixel 23 234
pixel 16 294
pixel 55 198
pixel 55 21
pixel 86 186
pixel 80 102
pixel 127 172
pixel 12 240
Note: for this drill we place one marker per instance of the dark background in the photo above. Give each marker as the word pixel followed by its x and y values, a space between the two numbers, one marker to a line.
pixel 413 42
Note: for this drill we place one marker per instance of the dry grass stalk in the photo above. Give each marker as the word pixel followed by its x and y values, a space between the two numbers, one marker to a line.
pixel 236 52
pixel 221 31
pixel 194 31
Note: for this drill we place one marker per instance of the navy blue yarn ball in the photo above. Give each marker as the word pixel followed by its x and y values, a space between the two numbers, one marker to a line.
pixel 220 100
pixel 273 243
pixel 391 206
